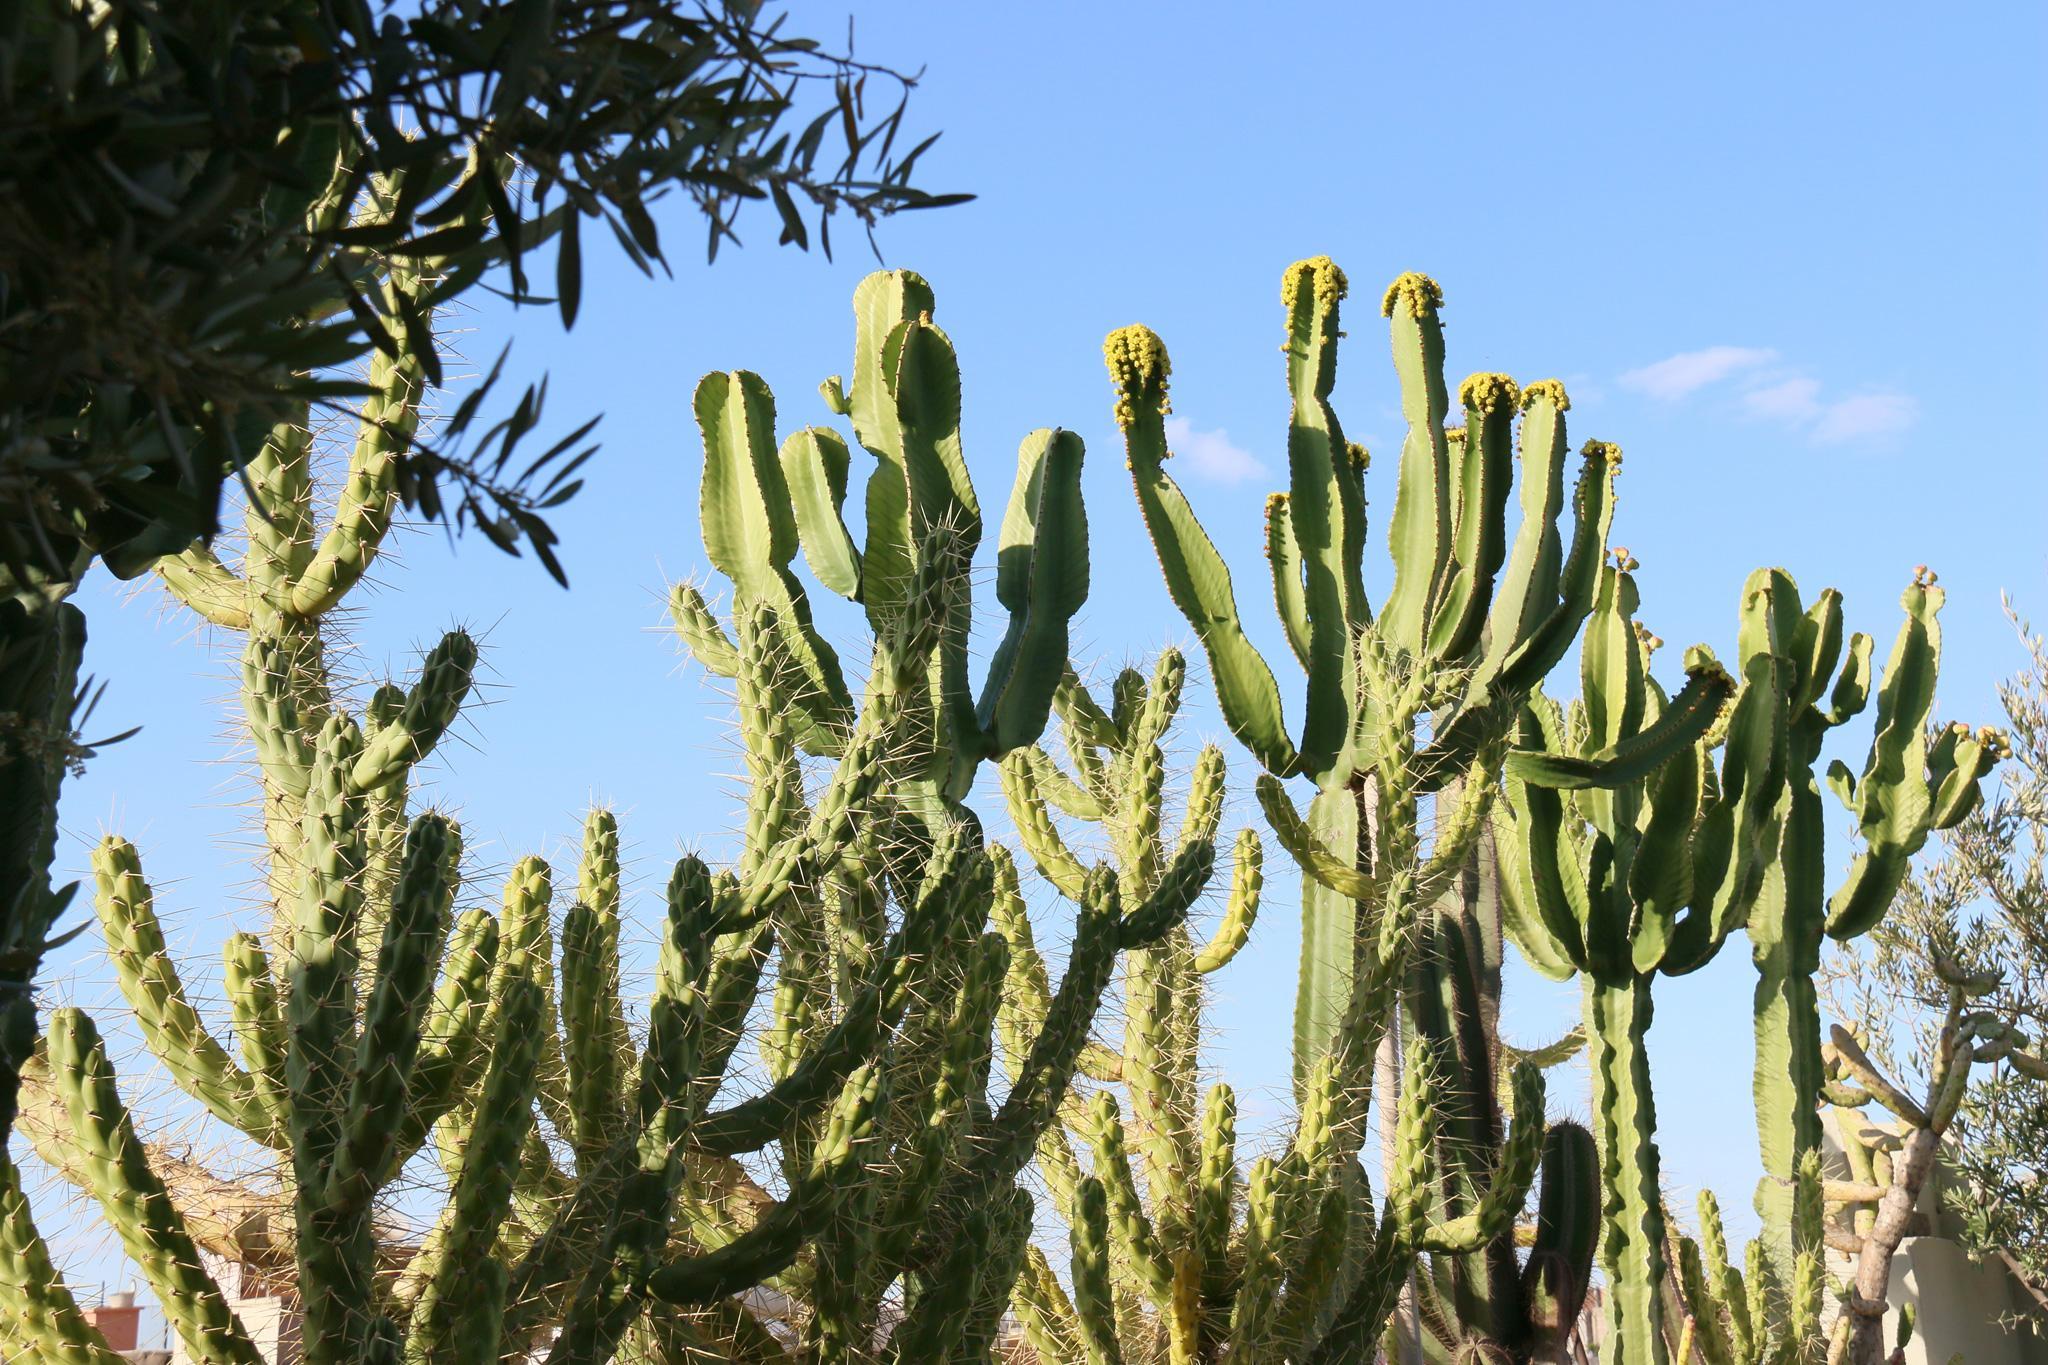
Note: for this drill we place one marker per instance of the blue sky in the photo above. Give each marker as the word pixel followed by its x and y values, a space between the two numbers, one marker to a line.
pixel 1789 257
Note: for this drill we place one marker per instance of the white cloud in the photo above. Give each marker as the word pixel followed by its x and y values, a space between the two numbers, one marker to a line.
pixel 1789 400
pixel 1682 374
pixel 1865 416
pixel 1211 453
pixel 1774 393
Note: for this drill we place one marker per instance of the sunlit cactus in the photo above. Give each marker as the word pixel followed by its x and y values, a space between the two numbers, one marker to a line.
pixel 602 1194
pixel 1195 1256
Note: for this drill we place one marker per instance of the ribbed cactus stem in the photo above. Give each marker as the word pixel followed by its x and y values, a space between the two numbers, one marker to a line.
pixel 1632 1201
pixel 151 1230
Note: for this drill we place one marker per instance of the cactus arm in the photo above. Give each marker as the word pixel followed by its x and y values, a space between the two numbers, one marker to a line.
pixel 1196 577
pixel 430 708
pixel 1320 863
pixel 1215 1203
pixel 610 1294
pixel 700 631
pixel 1042 578
pixel 1486 470
pixel 1094 1310
pixel 483 1188
pixel 1689 716
pixel 750 535
pixel 1632 1203
pixel 1058 789
pixel 1529 583
pixel 814 464
pixel 1324 506
pixel 1520 895
pixel 1247 879
pixel 39 1320
pixel 588 990
pixel 1138 1245
pixel 389 1042
pixel 1559 1270
pixel 1041 1078
pixel 362 517
pixel 151 985
pixel 452 1054
pixel 258 1019
pixel 199 580
pixel 134 1200
pixel 1420 532
pixel 1283 556
pixel 1531 660
pixel 271 703
pixel 1048 1316
pixel 1894 805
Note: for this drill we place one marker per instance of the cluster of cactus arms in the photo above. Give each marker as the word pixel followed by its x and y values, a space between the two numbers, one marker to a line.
pixel 1420 697
pixel 603 1198
pixel 1747 1316
pixel 1618 882
pixel 1180 1254
pixel 939 1225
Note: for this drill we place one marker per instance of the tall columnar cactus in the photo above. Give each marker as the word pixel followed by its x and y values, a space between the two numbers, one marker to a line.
pixel 1913 782
pixel 1618 866
pixel 1421 695
pixel 1170 1270
pixel 939 1192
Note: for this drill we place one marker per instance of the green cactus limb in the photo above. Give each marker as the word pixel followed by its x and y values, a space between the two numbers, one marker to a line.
pixel 1042 579
pixel 1633 1239
pixel 814 465
pixel 1325 506
pixel 1094 1312
pixel 197 578
pixel 611 1293
pixel 388 1046
pixel 1035 828
pixel 134 1200
pixel 1247 880
pixel 750 534
pixel 1196 576
pixel 431 706
pixel 1330 909
pixel 151 985
pixel 1893 806
pixel 1690 714
pixel 1136 1242
pixel 1558 1273
pixel 1047 1314
pixel 1484 461
pixel 39 1320
pixel 363 513
pixel 1421 529
pixel 1290 595
pixel 501 1125
pixel 700 631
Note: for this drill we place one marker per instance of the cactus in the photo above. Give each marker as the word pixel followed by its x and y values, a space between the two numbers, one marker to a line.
pixel 1912 783
pixel 1469 624
pixel 599 1193
pixel 1616 868
pixel 1169 1269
